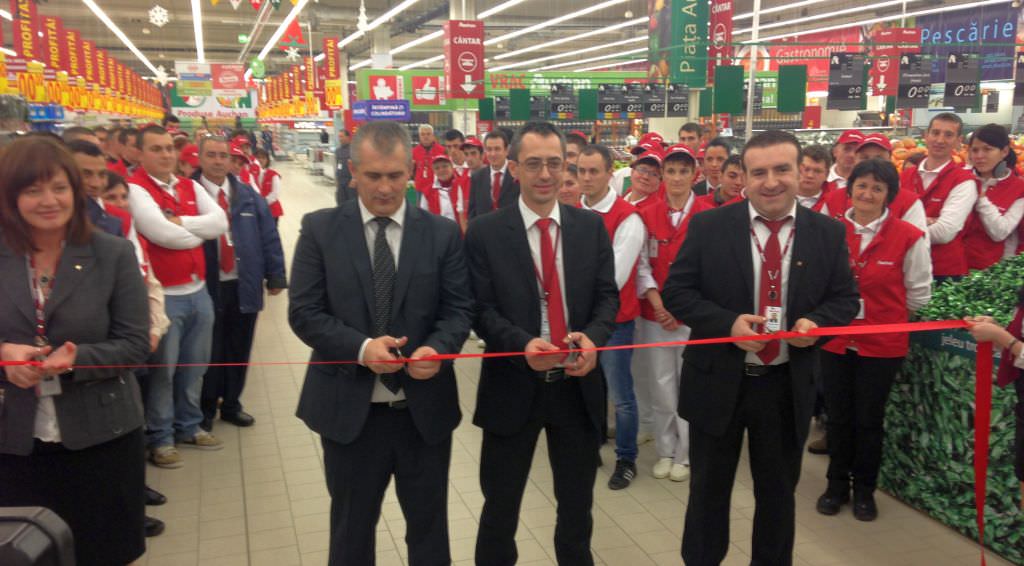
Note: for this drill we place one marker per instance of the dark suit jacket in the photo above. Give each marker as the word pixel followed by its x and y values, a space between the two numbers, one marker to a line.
pixel 331 304
pixel 98 302
pixel 101 219
pixel 508 307
pixel 711 283
pixel 701 188
pixel 342 175
pixel 480 192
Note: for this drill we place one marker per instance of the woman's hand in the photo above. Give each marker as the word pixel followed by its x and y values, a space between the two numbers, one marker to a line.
pixel 984 329
pixel 23 376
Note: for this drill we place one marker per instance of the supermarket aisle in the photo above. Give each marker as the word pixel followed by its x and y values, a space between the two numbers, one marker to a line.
pixel 262 500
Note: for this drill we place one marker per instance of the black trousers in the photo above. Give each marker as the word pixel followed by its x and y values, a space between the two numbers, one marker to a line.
pixel 856 390
pixel 232 343
pixel 765 411
pixel 358 474
pixel 573 442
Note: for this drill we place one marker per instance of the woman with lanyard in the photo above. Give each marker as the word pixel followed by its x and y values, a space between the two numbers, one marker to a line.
pixel 891 262
pixel 657 369
pixel 71 299
pixel 991 232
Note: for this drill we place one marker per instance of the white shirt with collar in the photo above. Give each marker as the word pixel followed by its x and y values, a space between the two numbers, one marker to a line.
pixel 618 182
pixel 808 202
pixel 629 237
pixel 644 275
pixel 1000 226
pixel 214 190
pixel 444 197
pixel 150 221
pixel 763 233
pixel 917 264
pixel 393 236
pixel 955 210
pixel 530 219
pixel 835 177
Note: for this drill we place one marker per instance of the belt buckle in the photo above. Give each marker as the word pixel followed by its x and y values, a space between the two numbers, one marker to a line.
pixel 399 404
pixel 755 370
pixel 553 375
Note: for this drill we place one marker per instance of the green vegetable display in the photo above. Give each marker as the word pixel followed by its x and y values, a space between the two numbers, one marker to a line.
pixel 991 292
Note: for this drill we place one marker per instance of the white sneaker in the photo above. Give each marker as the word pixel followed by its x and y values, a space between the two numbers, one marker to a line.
pixel 679 472
pixel 662 468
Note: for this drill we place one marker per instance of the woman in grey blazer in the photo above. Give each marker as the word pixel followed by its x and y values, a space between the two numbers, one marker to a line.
pixel 72 298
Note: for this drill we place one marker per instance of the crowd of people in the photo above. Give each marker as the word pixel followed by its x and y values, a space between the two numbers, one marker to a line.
pixel 139 247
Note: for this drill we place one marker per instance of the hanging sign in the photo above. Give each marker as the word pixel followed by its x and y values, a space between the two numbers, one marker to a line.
pixel 73 44
pixel 370 110
pixel 962 77
pixel 228 79
pixel 25 21
pixel 915 81
pixel 563 102
pixel 687 56
pixel 89 61
pixel 464 58
pixel 427 90
pixel 678 100
pixel 846 81
pixel 502 108
pixel 889 43
pixel 53 34
pixel 720 46
pixel 538 107
pixel 654 100
pixel 332 64
pixel 610 101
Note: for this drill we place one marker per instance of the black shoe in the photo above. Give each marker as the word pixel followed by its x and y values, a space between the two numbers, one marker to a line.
pixel 241 418
pixel 154 497
pixel 830 501
pixel 864 508
pixel 206 424
pixel 153 526
pixel 625 471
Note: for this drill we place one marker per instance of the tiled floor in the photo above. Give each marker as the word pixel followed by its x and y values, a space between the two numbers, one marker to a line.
pixel 262 500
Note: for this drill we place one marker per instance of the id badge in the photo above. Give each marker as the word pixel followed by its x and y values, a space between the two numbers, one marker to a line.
pixel 773 319
pixel 860 313
pixel 49 386
pixel 652 248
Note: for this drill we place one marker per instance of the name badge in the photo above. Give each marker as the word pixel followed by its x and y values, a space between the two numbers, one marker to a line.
pixel 773 319
pixel 860 313
pixel 49 387
pixel 652 248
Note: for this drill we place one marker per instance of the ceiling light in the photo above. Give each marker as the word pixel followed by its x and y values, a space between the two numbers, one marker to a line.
pixel 418 41
pixel 361 64
pixel 554 21
pixel 598 58
pixel 8 52
pixel 571 53
pixel 296 9
pixel 120 34
pixel 805 19
pixel 320 57
pixel 628 15
pixel 607 65
pixel 421 63
pixel 5 15
pixel 197 25
pixel 783 8
pixel 498 9
pixel 583 35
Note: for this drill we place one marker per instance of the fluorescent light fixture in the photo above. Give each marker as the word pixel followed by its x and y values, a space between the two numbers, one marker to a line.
pixel 571 53
pixel 320 57
pixel 583 35
pixel 589 59
pixel 783 8
pixel 498 9
pixel 120 34
pixel 361 64
pixel 384 18
pixel 247 75
pixel 6 15
pixel 608 65
pixel 554 21
pixel 418 41
pixel 197 26
pixel 296 9
pixel 806 19
pixel 9 52
pixel 421 63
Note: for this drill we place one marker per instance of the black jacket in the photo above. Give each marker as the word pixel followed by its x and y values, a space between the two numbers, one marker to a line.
pixel 480 192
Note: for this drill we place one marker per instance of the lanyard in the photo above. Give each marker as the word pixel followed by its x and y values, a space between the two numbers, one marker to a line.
pixel 548 270
pixel 41 288
pixel 760 250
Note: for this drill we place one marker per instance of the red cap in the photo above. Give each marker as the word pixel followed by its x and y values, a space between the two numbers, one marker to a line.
pixel 473 142
pixel 652 137
pixel 876 139
pixel 442 157
pixel 578 133
pixel 850 136
pixel 679 149
pixel 648 156
pixel 645 146
pixel 190 154
pixel 240 140
pixel 237 152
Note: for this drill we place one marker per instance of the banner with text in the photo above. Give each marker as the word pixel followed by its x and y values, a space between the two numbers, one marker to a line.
pixel 464 58
pixel 689 47
pixel 720 46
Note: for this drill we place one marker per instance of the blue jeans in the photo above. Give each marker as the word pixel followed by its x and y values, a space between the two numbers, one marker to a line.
pixel 616 367
pixel 172 397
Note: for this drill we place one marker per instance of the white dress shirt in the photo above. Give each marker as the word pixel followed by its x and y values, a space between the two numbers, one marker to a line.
pixel 917 264
pixel 808 202
pixel 393 235
pixel 834 177
pixel 955 210
pixel 530 219
pixel 763 233
pixel 628 241
pixel 214 190
pixel 1001 227
pixel 490 179
pixel 444 197
pixel 150 221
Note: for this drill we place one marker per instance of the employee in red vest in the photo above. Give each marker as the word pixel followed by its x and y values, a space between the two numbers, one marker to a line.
pixel 622 180
pixel 425 151
pixel 844 157
pixel 948 193
pixel 453 140
pixel 594 168
pixel 815 163
pixel 890 260
pixel 715 154
pixel 991 232
pixel 473 150
pixel 658 369
pixel 176 215
pixel 270 184
pixel 448 194
pixel 645 188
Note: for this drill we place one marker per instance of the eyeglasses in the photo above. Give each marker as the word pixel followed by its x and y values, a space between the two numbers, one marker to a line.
pixel 646 172
pixel 535 165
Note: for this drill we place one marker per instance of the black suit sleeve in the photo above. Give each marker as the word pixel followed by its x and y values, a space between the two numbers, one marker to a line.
pixel 454 313
pixel 308 310
pixel 683 295
pixel 842 300
pixel 471 211
pixel 606 292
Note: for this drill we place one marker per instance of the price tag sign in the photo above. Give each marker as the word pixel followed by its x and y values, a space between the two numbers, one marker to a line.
pixel 654 100
pixel 678 100
pixel 611 101
pixel 845 81
pixel 1018 90
pixel 633 100
pixel 538 107
pixel 963 75
pixel 502 108
pixel 563 102
pixel 915 81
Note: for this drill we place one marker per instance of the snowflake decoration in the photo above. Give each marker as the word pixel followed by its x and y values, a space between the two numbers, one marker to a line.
pixel 292 54
pixel 158 16
pixel 362 23
pixel 161 75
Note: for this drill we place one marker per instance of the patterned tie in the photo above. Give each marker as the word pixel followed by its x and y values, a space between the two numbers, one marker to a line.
pixel 383 291
pixel 496 188
pixel 227 251
pixel 770 292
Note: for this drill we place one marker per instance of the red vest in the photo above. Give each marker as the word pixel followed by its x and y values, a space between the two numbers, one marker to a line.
pixel 669 239
pixel 459 188
pixel 879 272
pixel 174 267
pixel 267 185
pixel 423 159
pixel 118 167
pixel 826 188
pixel 949 258
pixel 982 251
pixel 839 202
pixel 629 304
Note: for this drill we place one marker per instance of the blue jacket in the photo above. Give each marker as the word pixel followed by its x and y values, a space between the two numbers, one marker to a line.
pixel 101 219
pixel 258 251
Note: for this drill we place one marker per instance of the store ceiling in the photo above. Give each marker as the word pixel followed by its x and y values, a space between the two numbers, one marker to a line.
pixel 222 26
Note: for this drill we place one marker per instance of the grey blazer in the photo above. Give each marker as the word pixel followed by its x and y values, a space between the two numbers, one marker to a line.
pixel 99 303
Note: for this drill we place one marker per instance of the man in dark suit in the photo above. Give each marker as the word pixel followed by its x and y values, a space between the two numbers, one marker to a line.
pixel 353 297
pixel 754 267
pixel 93 168
pixel 342 176
pixel 493 187
pixel 523 260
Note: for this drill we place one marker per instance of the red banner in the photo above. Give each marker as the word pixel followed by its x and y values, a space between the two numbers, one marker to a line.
pixel 228 79
pixel 296 81
pixel 310 74
pixel 101 67
pixel 889 43
pixel 73 44
pixel 463 59
pixel 26 29
pixel 111 72
pixel 331 61
pixel 89 61
pixel 720 31
pixel 56 52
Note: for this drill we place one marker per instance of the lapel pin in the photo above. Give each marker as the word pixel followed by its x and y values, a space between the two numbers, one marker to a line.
pixel 799 263
pixel 78 267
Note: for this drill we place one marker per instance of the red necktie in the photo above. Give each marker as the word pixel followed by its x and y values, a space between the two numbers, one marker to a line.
pixel 550 282
pixel 770 293
pixel 227 251
pixel 496 188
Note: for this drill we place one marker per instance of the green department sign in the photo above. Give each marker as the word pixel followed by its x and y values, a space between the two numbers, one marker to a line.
pixel 688 54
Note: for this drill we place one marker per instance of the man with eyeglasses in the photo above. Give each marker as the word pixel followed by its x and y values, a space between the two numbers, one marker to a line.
pixel 543 276
pixel 645 188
